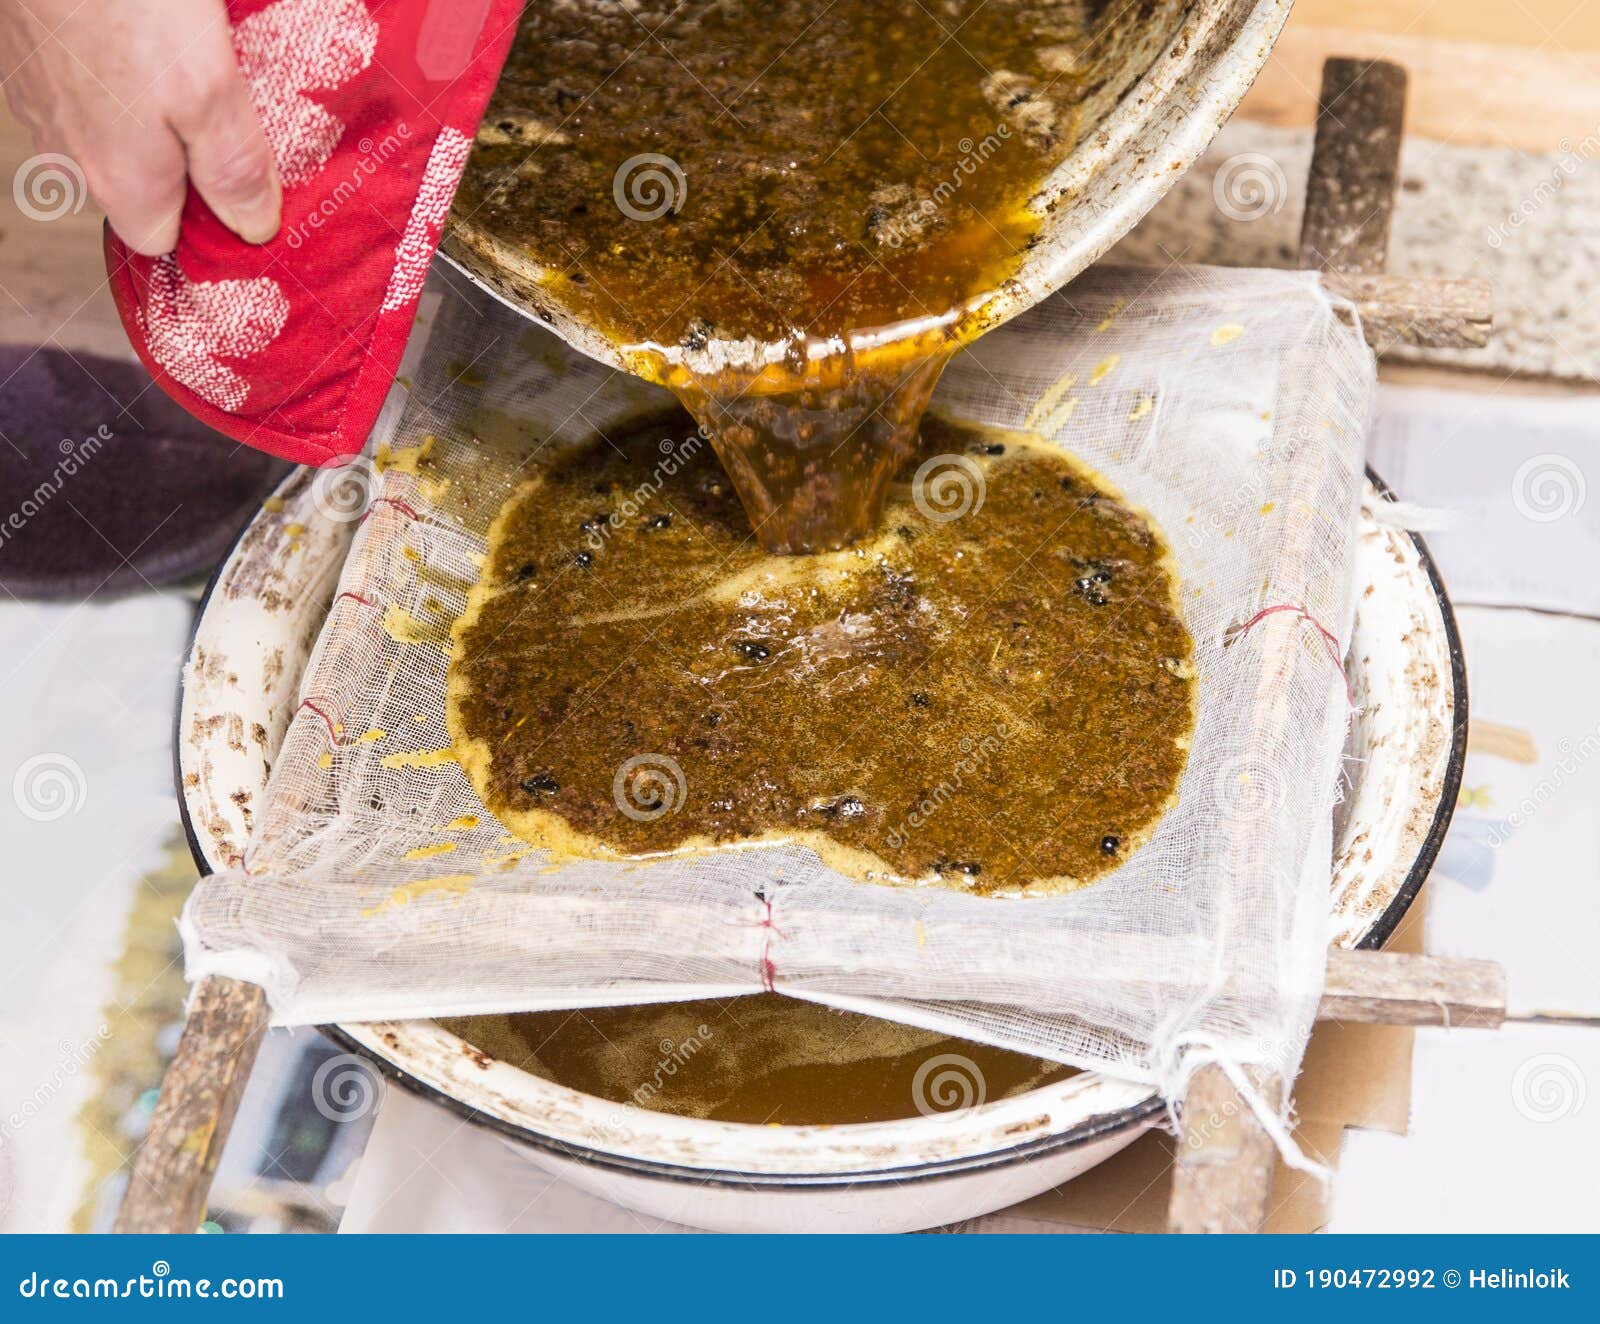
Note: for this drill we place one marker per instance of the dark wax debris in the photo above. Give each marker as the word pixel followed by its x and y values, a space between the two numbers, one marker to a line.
pixel 952 705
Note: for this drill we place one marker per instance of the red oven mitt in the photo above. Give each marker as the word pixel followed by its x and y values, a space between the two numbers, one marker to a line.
pixel 370 109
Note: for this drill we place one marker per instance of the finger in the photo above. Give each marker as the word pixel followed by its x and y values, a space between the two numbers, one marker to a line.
pixel 230 164
pixel 141 184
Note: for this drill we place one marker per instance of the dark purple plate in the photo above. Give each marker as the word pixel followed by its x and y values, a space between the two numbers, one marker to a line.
pixel 106 485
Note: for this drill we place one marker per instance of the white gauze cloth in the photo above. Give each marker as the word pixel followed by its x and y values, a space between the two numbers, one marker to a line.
pixel 1231 405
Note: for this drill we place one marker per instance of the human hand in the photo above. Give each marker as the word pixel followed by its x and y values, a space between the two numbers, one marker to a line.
pixel 146 96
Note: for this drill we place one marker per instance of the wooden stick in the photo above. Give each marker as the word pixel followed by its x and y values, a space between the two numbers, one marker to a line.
pixel 200 1096
pixel 1396 988
pixel 1589 1020
pixel 1223 1181
pixel 1355 167
pixel 1350 200
pixel 1223 1178
pixel 1405 310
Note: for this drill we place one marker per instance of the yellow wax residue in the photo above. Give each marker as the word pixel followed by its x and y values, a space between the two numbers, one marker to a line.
pixel 461 823
pixel 1227 333
pixel 427 852
pixel 489 861
pixel 434 489
pixel 418 717
pixel 325 760
pixel 411 553
pixel 198 1141
pixel 273 505
pixel 404 628
pixel 1116 307
pixel 922 936
pixel 478 559
pixel 1104 369
pixel 1142 406
pixel 1267 507
pixel 1054 406
pixel 515 727
pixel 418 758
pixel 407 458
pixel 294 530
pixel 459 883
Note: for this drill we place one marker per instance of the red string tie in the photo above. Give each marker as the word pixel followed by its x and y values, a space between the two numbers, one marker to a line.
pixel 769 969
pixel 398 504
pixel 1330 641
pixel 311 703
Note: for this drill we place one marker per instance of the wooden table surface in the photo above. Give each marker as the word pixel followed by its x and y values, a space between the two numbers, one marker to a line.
pixel 1486 74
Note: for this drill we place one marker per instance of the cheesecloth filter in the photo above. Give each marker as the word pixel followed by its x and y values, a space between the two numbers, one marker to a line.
pixel 1231 405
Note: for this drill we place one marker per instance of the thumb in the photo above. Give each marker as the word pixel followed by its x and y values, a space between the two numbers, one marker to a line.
pixel 230 163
